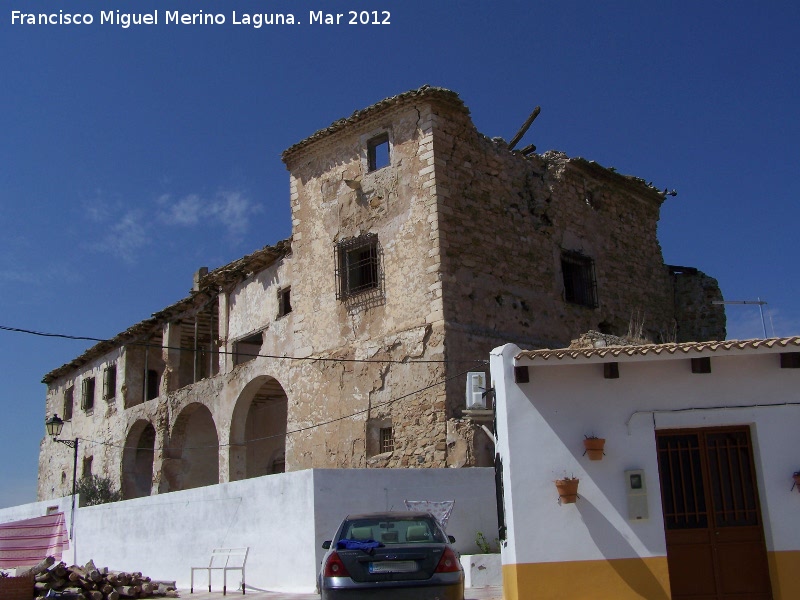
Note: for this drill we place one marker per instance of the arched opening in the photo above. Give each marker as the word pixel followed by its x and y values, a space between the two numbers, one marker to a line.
pixel 137 460
pixel 258 430
pixel 192 459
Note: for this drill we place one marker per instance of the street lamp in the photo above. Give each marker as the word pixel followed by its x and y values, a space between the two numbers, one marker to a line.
pixel 54 425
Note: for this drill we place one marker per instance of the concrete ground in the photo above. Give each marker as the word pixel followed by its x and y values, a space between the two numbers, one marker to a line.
pixel 484 593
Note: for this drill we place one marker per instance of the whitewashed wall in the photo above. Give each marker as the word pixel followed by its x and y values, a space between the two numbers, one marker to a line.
pixel 541 426
pixel 282 518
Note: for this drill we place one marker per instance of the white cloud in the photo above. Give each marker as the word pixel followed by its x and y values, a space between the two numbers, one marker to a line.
pixel 125 237
pixel 231 209
pixel 185 212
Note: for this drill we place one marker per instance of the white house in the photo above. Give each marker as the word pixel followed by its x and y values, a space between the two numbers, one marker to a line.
pixel 694 495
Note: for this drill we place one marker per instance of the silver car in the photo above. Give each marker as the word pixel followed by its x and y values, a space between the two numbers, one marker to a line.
pixel 391 556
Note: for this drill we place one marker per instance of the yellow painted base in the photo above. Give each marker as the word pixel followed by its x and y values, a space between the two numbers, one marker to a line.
pixel 783 572
pixel 619 579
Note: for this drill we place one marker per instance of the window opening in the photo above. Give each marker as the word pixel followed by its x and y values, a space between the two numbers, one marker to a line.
pixel 110 382
pixel 358 265
pixel 152 384
pixel 385 440
pixel 69 395
pixel 378 152
pixel 284 301
pixel 247 348
pixel 87 396
pixel 580 285
pixel 87 466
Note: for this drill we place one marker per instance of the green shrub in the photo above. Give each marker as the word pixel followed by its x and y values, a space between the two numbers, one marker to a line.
pixel 94 490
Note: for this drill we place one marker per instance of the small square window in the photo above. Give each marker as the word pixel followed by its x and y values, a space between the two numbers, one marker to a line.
pixel 69 395
pixel 580 286
pixel 284 301
pixel 110 382
pixel 87 394
pixel 358 262
pixel 385 440
pixel 378 152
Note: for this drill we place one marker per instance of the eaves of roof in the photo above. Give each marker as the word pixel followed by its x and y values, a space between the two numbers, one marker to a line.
pixel 220 278
pixel 425 92
pixel 789 344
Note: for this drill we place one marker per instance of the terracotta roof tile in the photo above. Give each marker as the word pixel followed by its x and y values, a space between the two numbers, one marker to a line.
pixel 425 91
pixel 232 273
pixel 789 344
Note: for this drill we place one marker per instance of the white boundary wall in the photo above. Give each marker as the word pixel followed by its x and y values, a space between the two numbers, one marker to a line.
pixel 283 519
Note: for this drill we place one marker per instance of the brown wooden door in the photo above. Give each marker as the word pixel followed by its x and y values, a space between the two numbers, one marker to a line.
pixel 712 517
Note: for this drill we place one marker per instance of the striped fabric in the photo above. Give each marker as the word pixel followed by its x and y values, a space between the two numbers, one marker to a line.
pixel 25 543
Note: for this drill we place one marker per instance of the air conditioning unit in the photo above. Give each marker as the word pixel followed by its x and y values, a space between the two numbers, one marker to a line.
pixel 476 391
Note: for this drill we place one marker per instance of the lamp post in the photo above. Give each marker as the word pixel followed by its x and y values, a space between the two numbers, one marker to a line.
pixel 54 425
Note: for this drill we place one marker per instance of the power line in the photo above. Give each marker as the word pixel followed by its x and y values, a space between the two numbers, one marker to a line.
pixel 307 428
pixel 248 354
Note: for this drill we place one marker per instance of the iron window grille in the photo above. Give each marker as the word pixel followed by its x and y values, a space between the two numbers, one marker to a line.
pixel 580 283
pixel 358 266
pixel 385 440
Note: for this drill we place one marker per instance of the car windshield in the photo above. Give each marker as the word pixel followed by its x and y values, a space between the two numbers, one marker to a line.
pixel 393 530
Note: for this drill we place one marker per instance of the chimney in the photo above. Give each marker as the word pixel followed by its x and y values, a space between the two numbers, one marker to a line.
pixel 201 272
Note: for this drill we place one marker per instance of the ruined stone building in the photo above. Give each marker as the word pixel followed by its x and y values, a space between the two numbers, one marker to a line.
pixel 417 246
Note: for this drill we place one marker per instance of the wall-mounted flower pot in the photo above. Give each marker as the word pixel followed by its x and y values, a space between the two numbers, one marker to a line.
pixel 594 447
pixel 567 490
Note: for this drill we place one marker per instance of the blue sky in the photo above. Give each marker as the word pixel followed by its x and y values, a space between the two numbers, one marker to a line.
pixel 131 157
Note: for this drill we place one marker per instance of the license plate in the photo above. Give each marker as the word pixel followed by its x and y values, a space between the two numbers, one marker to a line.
pixel 393 566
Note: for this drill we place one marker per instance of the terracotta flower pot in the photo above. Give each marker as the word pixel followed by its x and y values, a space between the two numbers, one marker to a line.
pixel 594 448
pixel 567 490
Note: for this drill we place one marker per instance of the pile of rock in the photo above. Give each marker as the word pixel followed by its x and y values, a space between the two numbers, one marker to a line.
pixel 90 583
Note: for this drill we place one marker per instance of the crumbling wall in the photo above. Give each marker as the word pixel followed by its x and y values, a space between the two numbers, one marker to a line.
pixel 697 317
pixel 505 221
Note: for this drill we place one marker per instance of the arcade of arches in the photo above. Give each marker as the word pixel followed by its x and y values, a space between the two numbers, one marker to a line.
pixel 192 456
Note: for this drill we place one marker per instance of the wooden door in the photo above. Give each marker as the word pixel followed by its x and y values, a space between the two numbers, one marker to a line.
pixel 712 517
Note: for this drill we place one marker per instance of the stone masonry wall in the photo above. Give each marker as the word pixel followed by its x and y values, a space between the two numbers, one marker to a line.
pixel 505 220
pixel 335 197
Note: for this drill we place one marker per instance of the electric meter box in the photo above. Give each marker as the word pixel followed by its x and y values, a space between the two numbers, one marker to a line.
pixel 636 489
pixel 476 390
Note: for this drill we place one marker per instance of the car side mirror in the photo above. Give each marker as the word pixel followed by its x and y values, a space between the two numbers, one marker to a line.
pixel 452 539
pixel 326 545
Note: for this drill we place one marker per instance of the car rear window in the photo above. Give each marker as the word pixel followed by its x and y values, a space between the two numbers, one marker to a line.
pixel 393 531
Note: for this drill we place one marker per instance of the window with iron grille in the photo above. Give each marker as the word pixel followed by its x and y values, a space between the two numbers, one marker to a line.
pixel 378 152
pixel 110 382
pixel 69 394
pixel 358 266
pixel 284 301
pixel 385 440
pixel 87 393
pixel 580 285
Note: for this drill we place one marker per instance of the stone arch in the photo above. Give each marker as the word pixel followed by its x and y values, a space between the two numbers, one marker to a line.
pixel 137 460
pixel 192 458
pixel 258 430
